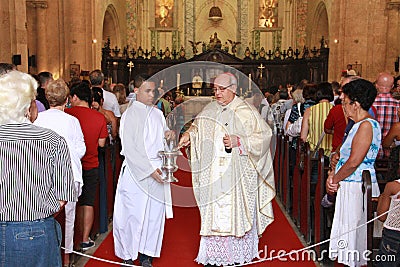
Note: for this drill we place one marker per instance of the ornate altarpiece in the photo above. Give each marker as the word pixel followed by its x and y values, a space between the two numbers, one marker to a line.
pixel 267 68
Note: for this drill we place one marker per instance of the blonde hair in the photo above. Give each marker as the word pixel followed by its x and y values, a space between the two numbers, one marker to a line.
pixel 57 92
pixel 17 90
pixel 297 96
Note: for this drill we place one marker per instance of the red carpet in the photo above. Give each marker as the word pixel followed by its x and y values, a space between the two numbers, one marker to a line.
pixel 181 238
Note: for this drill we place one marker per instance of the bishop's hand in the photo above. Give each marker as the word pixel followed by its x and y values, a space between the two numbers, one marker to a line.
pixel 169 135
pixel 185 140
pixel 230 141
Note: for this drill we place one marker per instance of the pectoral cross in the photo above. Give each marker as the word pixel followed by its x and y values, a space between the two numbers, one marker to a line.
pixel 130 66
pixel 261 68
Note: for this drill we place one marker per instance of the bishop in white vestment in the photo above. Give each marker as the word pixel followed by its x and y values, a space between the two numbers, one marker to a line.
pixel 142 202
pixel 232 176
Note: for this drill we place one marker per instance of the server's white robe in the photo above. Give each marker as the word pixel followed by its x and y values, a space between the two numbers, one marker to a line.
pixel 141 203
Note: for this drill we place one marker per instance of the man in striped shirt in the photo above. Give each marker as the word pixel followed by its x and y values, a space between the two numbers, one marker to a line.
pixel 35 179
pixel 386 106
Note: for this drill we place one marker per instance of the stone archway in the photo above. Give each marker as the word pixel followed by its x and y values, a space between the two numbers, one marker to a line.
pixel 111 27
pixel 321 26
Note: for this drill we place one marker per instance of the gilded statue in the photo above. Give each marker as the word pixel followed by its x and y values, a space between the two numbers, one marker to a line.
pixel 215 42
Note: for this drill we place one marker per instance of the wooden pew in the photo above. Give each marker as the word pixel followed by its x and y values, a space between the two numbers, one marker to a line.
pixel 285 173
pixel 320 229
pixel 277 162
pixel 297 173
pixel 110 166
pixel 305 198
pixel 281 143
pixel 101 217
pixel 372 203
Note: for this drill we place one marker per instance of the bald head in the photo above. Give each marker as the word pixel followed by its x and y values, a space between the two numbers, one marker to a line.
pixel 384 82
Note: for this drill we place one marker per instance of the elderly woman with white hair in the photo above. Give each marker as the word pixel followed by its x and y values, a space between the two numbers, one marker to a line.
pixel 36 179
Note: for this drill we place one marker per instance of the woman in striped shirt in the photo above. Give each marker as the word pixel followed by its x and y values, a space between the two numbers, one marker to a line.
pixel 35 179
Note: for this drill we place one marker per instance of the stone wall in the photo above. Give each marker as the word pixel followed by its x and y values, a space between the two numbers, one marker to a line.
pixel 61 32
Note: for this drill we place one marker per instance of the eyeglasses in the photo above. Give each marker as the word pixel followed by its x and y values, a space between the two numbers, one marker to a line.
pixel 221 88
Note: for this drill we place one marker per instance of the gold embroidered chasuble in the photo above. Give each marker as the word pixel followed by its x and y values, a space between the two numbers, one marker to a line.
pixel 233 190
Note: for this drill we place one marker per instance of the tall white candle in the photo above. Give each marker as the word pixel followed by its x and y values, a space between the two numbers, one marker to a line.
pixel 178 80
pixel 241 91
pixel 161 83
pixel 188 92
pixel 250 81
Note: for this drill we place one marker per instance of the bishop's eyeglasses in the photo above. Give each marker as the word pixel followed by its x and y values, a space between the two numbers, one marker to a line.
pixel 221 88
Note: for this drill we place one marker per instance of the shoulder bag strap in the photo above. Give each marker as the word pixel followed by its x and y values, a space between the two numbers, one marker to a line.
pixel 319 143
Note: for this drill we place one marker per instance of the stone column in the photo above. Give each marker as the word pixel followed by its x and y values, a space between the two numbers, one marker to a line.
pixel 41 33
pixel 393 34
pixel 190 25
pixel 243 27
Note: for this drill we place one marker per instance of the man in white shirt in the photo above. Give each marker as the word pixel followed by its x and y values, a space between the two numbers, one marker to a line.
pixel 110 100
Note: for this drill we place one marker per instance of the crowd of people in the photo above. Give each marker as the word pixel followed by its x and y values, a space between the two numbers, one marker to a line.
pixel 54 130
pixel 355 122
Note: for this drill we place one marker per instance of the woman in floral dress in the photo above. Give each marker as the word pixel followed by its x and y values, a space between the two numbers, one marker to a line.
pixel 357 153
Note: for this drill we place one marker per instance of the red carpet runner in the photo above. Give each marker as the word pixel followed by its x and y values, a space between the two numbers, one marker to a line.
pixel 181 238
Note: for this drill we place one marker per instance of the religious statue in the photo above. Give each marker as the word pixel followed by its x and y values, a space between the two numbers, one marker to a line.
pixel 277 52
pixel 226 47
pixel 167 53
pixel 262 53
pixel 203 47
pixel 324 44
pixel 215 42
pixel 153 52
pixel 182 52
pixel 247 52
pixel 306 52
pixel 290 52
pixel 140 52
pixel 194 46
pixel 233 44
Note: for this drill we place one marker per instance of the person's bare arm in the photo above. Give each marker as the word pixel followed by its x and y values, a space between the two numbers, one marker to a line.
pixel 359 148
pixel 328 123
pixel 391 189
pixel 114 125
pixel 305 126
pixel 102 142
pixel 394 133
